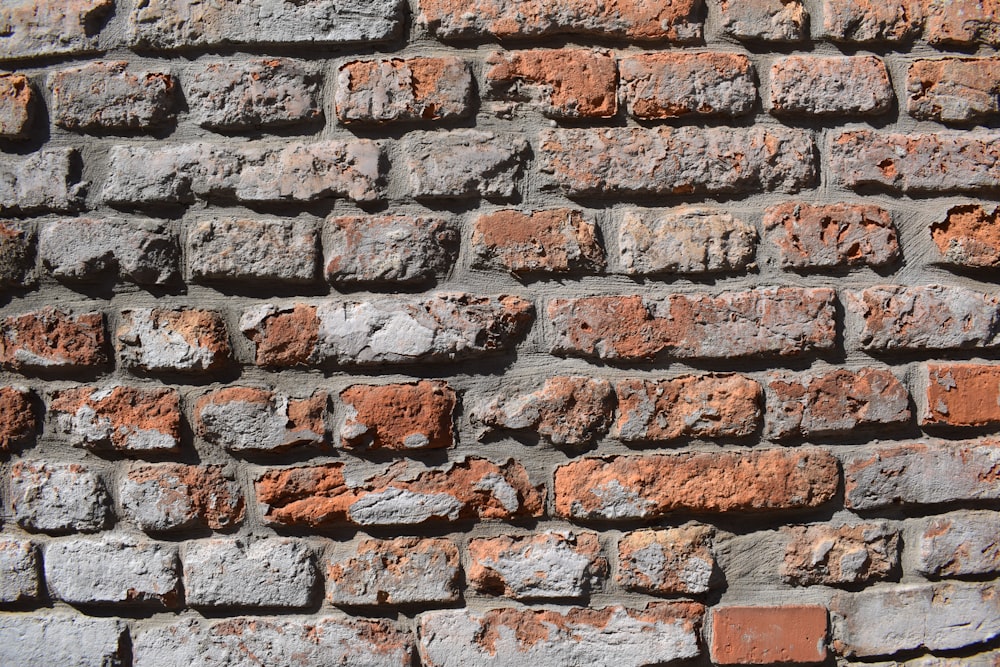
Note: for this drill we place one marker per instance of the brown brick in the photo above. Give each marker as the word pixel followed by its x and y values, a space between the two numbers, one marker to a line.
pixel 41 28
pixel 969 236
pixel 962 22
pixel 417 415
pixel 650 486
pixel 550 241
pixel 172 341
pixel 243 419
pixel 400 90
pixel 831 235
pixel 954 90
pixel 840 555
pixel 464 164
pixel 18 418
pixel 165 497
pixel 764 20
pixel 849 85
pixel 18 101
pixel 240 249
pixel 673 85
pixel 17 254
pixel 769 635
pixel 962 395
pixel 403 571
pixel 562 83
pixel 667 562
pixel 112 96
pixel 872 21
pixel 50 339
pixel 117 418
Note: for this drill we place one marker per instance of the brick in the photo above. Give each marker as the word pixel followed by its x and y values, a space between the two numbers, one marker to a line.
pixel 45 181
pixel 20 565
pixel 916 163
pixel 954 90
pixel 59 497
pixel 648 487
pixel 969 236
pixel 52 340
pixel 187 24
pixel 18 105
pixel 111 95
pixel 267 573
pixel 119 418
pixel 962 395
pixel 549 565
pixel 389 249
pixel 674 161
pixel 962 22
pixel 765 322
pixel 667 562
pixel 90 249
pixel 921 474
pixel 986 659
pixel 764 20
pixel 403 417
pixel 254 94
pixel 45 28
pixel 794 634
pixel 246 419
pixel 442 327
pixel 263 249
pixel 114 571
pixel 17 254
pixel 675 85
pixel 661 632
pixel 823 236
pixel 464 164
pixel 561 83
pixel 249 641
pixel 163 497
pixel 569 410
pixel 870 21
pixel 959 544
pixel 833 403
pixel 472 488
pixel 688 240
pixel 18 418
pixel 172 341
pixel 840 555
pixel 935 617
pixel 706 406
pixel 402 571
pixel 926 317
pixel 844 85
pixel 37 640
pixel 292 171
pixel 558 240
pixel 393 90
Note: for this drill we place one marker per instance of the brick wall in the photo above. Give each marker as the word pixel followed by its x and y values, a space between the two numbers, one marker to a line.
pixel 483 332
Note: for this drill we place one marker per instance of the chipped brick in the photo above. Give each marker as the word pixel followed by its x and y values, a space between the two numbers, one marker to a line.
pixel 404 417
pixel 402 571
pixel 119 418
pixel 166 497
pixel 840 555
pixel 245 419
pixel 395 90
pixel 172 341
pixel 667 562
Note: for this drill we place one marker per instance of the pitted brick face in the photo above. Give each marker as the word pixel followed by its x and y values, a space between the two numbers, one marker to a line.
pixel 18 102
pixel 665 562
pixel 550 241
pixel 18 419
pixel 167 497
pixel 119 418
pixel 51 339
pixel 399 416
pixel 172 341
pixel 968 236
pixel 840 555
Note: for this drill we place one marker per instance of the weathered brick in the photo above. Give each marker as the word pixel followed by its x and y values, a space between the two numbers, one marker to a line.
pixel 394 90
pixel 661 632
pixel 985 659
pixel 561 83
pixel 844 85
pixel 962 22
pixel 260 249
pixel 163 497
pixel 871 21
pixel 43 181
pixel 112 95
pixel 764 20
pixel 17 254
pixel 678 22
pixel 706 406
pixel 389 248
pixel 916 163
pixel 36 640
pixel 183 173
pixel 794 634
pixel 954 90
pixel 410 416
pixel 969 236
pixel 172 341
pixel 464 164
pixel 565 411
pixel 50 339
pixel 403 571
pixel 549 241
pixel 18 418
pixel 40 28
pixel 119 418
pixel 320 496
pixel 962 395
pixel 929 317
pixel 840 555
pixel 88 249
pixel 548 565
pixel 921 474
pixel 254 94
pixel 438 328
pixel 20 563
pixel 647 487
pixel 246 419
pixel 672 85
pixel 782 321
pixel 59 497
pixel 959 544
pixel 183 24
pixel 665 562
pixel 817 404
pixel 935 617
pixel 686 240
pixel 683 160
pixel 113 570
pixel 268 573
pixel 831 235
pixel 18 102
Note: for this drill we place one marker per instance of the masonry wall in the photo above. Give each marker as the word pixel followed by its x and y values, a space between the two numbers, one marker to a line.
pixel 482 332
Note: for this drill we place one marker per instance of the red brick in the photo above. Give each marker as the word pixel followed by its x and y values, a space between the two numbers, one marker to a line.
pixel 840 555
pixel 962 22
pixel 673 85
pixel 831 235
pixel 172 341
pixel 962 395
pixel 242 419
pixel 400 90
pixel 872 21
pixel 954 90
pixel 41 28
pixel 854 85
pixel 51 339
pixel 969 236
pixel 18 101
pixel 166 497
pixel 403 571
pixel 665 562
pixel 112 96
pixel 126 419
pixel 563 83
pixel 769 635
pixel 549 241
pixel 403 417
pixel 18 418
pixel 764 20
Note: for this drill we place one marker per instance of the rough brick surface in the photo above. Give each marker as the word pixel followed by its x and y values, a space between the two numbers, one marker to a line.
pixel 959 544
pixel 119 418
pixel 403 571
pixel 20 579
pixel 42 181
pixel 401 90
pixel 18 103
pixel 39 28
pixel 823 86
pixel 112 96
pixel 969 236
pixel 671 85
pixel 18 418
pixel 400 417
pixel 167 497
pixel 564 83
pixel 240 249
pixel 464 164
pixel 36 640
pixel 549 241
pixel 246 419
pixel 840 555
pixel 17 254
pixel 769 635
pixel 962 22
pixel 962 395
pixel 172 341
pixel 831 235
pixel 869 21
pixel 674 561
pixel 954 90
pixel 52 340
pixel 764 20
pixel 59 497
